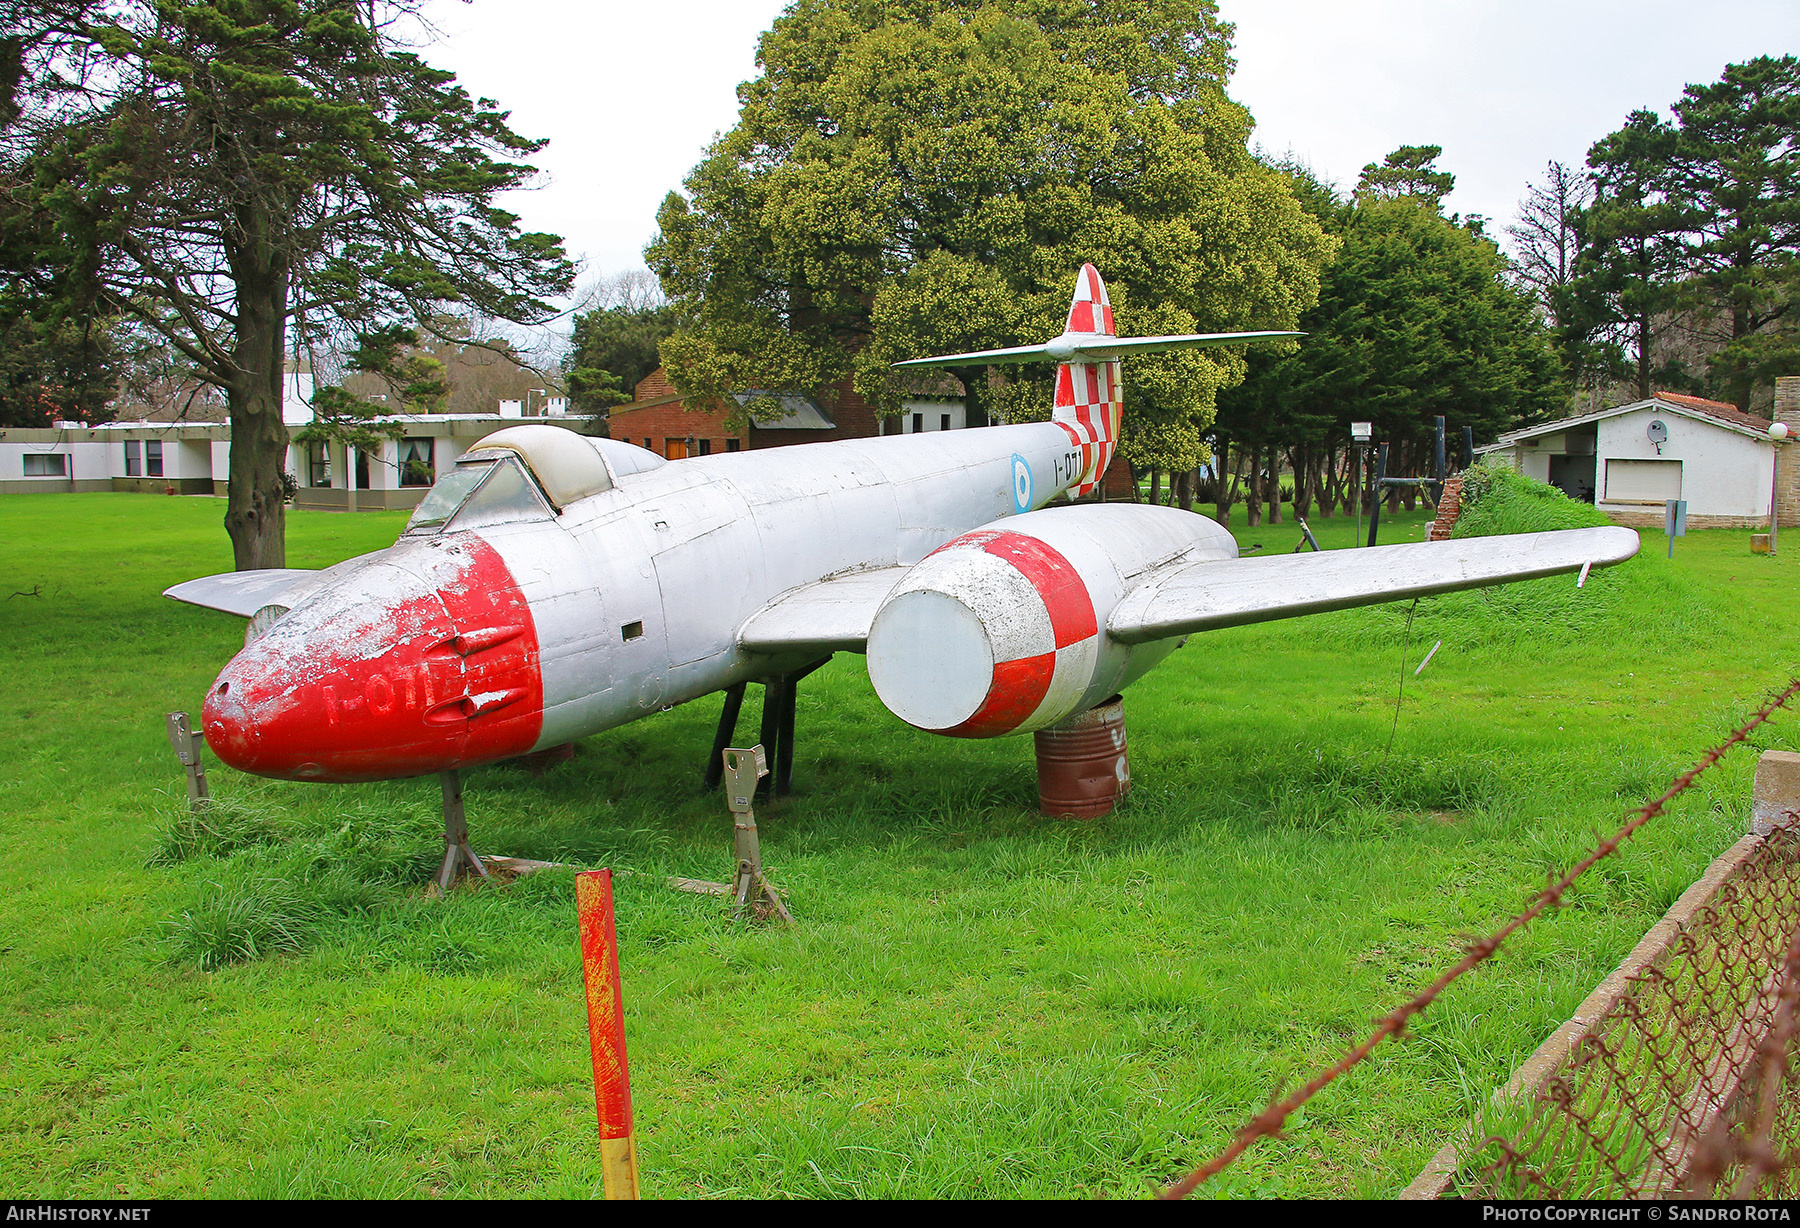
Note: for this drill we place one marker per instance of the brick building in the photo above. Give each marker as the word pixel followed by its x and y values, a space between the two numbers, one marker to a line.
pixel 655 419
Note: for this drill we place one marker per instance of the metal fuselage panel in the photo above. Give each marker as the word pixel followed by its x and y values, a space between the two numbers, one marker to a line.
pixel 639 591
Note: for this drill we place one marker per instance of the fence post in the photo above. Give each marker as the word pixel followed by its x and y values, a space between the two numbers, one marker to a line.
pixel 1775 797
pixel 606 1032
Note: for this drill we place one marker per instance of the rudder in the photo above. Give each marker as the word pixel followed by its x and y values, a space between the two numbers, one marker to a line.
pixel 1089 399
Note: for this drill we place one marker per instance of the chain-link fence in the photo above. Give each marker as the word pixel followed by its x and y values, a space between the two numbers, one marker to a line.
pixel 1673 1078
pixel 1669 1087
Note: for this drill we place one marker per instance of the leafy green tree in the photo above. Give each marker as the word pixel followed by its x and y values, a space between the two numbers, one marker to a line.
pixel 1407 172
pixel 255 174
pixel 924 176
pixel 58 354
pixel 1733 184
pixel 612 348
pixel 1626 273
pixel 1417 317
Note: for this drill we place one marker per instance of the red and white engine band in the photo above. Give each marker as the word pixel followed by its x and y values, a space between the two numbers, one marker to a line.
pixel 994 633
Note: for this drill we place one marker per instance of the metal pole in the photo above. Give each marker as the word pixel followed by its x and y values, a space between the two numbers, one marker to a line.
pixel 1438 457
pixel 1356 488
pixel 1468 446
pixel 1375 495
pixel 1775 499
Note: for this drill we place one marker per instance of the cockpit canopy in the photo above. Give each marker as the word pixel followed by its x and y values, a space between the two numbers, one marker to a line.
pixel 525 473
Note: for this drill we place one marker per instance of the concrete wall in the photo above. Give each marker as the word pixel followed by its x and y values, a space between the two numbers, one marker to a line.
pixel 1534 464
pixel 930 415
pixel 84 463
pixel 1724 476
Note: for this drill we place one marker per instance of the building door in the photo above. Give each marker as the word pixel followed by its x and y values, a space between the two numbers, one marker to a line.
pixel 1574 476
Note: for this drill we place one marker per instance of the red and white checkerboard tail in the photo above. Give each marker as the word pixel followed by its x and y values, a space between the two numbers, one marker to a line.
pixel 1089 400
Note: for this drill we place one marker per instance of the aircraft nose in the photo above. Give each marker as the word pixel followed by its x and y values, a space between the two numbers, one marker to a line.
pixel 424 658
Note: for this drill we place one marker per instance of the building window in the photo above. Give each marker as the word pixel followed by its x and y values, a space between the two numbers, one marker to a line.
pixel 318 464
pixel 153 458
pixel 732 445
pixel 134 463
pixel 415 463
pixel 943 422
pixel 704 447
pixel 44 465
pixel 918 423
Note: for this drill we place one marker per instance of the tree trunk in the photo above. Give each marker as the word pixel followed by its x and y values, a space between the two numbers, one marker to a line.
pixel 1185 490
pixel 1155 485
pixel 1303 467
pixel 1221 485
pixel 1274 485
pixel 1329 491
pixel 255 510
pixel 1253 489
pixel 975 394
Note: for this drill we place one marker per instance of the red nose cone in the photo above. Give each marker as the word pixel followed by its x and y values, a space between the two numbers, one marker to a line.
pixel 424 658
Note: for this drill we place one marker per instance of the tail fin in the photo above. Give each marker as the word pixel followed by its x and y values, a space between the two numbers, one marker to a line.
pixel 1089 400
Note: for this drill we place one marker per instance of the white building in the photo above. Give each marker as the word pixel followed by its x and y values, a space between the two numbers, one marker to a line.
pixel 1629 460
pixel 195 458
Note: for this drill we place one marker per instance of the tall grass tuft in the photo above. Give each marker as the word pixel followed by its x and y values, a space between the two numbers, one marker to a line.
pixel 237 921
pixel 225 825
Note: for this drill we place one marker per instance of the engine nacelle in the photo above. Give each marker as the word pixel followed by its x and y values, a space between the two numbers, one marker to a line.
pixel 1003 630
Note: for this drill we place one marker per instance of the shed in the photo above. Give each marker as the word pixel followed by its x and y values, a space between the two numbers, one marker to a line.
pixel 1631 459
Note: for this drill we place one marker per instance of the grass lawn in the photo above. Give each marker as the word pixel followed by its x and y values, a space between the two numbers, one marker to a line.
pixel 976 1002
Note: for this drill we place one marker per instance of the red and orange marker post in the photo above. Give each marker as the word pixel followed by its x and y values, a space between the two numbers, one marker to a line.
pixel 606 1032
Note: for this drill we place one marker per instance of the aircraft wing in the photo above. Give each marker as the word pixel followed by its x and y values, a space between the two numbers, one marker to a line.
pixel 830 615
pixel 245 592
pixel 1228 592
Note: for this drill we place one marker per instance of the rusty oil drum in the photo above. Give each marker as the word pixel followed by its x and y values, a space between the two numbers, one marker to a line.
pixel 1082 766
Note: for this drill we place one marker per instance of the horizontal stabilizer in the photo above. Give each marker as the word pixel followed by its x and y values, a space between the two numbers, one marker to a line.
pixel 1229 592
pixel 1094 347
pixel 828 616
pixel 245 592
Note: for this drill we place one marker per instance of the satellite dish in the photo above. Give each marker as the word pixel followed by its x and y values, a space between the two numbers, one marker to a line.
pixel 1659 434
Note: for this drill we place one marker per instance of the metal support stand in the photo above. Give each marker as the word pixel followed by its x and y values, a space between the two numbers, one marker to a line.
pixel 776 733
pixel 777 693
pixel 728 719
pixel 1380 491
pixel 457 852
pixel 751 890
pixel 1438 460
pixel 188 751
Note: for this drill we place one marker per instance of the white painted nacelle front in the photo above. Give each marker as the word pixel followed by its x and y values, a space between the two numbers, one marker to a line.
pixel 1003 629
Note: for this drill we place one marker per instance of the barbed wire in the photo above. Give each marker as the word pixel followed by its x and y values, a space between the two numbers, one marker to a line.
pixel 1268 1123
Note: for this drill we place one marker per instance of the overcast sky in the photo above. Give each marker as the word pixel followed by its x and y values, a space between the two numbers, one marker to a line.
pixel 631 94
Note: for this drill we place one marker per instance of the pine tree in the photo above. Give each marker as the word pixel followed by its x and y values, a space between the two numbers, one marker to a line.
pixel 254 175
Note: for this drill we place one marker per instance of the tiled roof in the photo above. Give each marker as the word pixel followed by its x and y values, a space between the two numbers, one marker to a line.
pixel 1716 409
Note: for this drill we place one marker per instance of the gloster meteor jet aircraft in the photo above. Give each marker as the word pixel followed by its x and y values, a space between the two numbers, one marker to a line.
pixel 553 585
